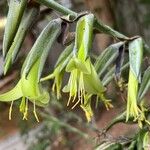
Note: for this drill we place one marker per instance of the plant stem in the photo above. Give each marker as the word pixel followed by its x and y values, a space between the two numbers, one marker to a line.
pixel 56 6
pixel 99 26
pixel 108 30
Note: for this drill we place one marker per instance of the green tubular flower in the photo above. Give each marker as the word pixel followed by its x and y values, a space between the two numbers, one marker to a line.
pixel 135 59
pixel 84 81
pixel 132 108
pixel 16 10
pixel 58 72
pixel 28 86
pixel 29 89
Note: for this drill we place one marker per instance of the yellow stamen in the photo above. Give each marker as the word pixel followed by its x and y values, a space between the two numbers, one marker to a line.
pixel 69 101
pixel 26 111
pixel 34 112
pixel 53 87
pixel 75 104
pixel 74 97
pixel 10 110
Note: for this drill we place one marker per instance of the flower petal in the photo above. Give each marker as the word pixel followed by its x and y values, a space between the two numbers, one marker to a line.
pixel 13 94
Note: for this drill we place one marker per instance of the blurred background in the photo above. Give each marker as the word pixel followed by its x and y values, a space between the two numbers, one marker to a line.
pixel 60 127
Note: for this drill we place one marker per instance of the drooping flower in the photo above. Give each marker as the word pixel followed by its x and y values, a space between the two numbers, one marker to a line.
pixel 27 88
pixel 135 59
pixel 84 81
pixel 59 70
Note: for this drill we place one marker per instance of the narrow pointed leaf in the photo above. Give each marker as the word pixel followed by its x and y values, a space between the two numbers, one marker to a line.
pixel 16 10
pixel 42 45
pixel 145 85
pixel 109 76
pixel 109 146
pixel 107 57
pixel 28 18
pixel 140 138
pixel 146 140
pixel 64 54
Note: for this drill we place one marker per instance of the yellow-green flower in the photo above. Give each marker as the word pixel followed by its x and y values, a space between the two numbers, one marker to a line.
pixel 132 108
pixel 29 89
pixel 84 81
pixel 59 70
pixel 135 58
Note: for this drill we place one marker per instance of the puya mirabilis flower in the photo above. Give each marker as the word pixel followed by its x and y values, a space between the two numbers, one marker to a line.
pixel 84 81
pixel 29 87
pixel 59 70
pixel 135 59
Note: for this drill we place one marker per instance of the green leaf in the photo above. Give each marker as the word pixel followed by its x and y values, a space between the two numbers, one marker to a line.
pixel 64 55
pixel 107 57
pixel 140 138
pixel 28 18
pixel 132 145
pixel 109 76
pixel 145 85
pixel 109 146
pixel 16 10
pixel 136 57
pixel 146 140
pixel 42 46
